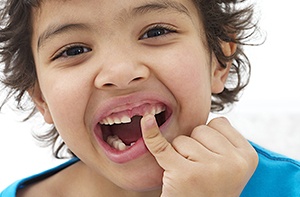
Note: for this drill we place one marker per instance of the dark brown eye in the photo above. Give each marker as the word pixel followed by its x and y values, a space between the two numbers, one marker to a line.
pixel 76 50
pixel 156 31
pixel 71 51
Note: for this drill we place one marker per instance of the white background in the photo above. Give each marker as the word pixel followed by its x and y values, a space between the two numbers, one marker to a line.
pixel 268 113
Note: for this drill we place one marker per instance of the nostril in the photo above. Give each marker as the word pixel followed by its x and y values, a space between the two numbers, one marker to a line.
pixel 112 84
pixel 137 79
pixel 108 85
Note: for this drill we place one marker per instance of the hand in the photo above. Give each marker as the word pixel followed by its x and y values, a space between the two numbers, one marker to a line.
pixel 214 161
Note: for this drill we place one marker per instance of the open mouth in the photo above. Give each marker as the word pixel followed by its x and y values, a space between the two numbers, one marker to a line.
pixel 122 130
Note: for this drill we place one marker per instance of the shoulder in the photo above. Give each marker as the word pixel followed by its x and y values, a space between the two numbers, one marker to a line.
pixel 23 186
pixel 271 159
pixel 276 175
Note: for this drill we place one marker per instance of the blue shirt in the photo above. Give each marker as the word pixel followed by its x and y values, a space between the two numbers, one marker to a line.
pixel 275 176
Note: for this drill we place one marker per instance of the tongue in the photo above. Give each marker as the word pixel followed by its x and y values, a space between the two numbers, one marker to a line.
pixel 129 132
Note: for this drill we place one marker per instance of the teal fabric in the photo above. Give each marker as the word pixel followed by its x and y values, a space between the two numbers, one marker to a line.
pixel 275 176
pixel 11 190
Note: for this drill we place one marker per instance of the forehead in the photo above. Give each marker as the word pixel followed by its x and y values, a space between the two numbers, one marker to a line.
pixel 58 8
pixel 52 14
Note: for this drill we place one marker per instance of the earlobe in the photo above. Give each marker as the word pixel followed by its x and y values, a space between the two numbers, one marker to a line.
pixel 40 103
pixel 219 73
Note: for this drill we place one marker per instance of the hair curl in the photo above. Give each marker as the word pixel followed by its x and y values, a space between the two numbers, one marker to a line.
pixel 223 20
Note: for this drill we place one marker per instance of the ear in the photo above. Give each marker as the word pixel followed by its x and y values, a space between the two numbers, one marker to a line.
pixel 219 73
pixel 40 103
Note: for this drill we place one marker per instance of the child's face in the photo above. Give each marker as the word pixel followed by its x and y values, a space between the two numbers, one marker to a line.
pixel 104 61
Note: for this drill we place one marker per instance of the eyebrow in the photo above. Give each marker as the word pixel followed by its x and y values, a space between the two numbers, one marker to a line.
pixel 58 29
pixel 161 5
pixel 158 5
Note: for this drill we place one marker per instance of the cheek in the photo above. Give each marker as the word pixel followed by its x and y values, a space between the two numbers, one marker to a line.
pixel 193 89
pixel 189 75
pixel 66 99
pixel 67 108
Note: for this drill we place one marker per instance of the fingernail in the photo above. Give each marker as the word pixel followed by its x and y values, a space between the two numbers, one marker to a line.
pixel 148 121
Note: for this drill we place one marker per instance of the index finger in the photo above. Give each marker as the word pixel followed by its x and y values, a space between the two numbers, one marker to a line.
pixel 160 148
pixel 223 126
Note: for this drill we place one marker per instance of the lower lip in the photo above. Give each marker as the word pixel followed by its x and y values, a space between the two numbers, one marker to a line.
pixel 117 156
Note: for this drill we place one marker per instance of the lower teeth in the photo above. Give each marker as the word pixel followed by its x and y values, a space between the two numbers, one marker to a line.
pixel 117 143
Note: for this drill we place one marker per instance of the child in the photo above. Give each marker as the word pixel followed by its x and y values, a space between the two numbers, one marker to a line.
pixel 128 86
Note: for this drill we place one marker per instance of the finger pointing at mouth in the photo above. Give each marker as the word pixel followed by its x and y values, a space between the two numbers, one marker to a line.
pixel 160 148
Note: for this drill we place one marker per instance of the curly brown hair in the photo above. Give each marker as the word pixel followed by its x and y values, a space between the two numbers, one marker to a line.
pixel 223 20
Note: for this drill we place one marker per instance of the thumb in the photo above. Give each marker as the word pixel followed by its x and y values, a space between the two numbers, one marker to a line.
pixel 159 147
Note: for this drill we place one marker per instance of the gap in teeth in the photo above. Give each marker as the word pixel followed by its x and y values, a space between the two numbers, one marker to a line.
pixel 124 117
pixel 115 142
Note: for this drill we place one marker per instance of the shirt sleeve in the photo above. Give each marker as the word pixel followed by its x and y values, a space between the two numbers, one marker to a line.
pixel 276 175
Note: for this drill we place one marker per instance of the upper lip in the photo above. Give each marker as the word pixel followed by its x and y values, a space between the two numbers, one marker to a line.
pixel 127 102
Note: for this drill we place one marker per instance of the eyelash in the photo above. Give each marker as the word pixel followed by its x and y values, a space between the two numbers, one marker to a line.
pixel 161 30
pixel 167 29
pixel 63 52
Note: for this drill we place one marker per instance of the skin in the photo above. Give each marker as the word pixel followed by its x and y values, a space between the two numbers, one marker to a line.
pixel 119 62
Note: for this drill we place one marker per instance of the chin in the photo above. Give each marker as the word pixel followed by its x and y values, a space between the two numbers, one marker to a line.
pixel 143 180
pixel 146 186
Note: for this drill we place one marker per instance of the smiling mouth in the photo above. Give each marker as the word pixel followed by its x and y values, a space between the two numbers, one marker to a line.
pixel 122 130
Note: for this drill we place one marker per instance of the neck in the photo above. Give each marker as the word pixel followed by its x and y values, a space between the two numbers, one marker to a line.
pixel 90 185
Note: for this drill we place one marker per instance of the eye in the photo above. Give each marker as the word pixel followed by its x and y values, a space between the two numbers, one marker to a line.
pixel 157 30
pixel 70 51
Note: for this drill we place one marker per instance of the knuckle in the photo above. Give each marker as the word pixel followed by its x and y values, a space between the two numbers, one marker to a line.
pixel 198 131
pixel 218 121
pixel 159 146
pixel 242 167
pixel 251 156
pixel 152 136
pixel 254 159
pixel 241 164
pixel 179 140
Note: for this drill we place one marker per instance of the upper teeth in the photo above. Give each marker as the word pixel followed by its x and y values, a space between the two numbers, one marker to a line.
pixel 110 120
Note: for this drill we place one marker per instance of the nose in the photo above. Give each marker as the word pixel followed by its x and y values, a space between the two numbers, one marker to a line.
pixel 121 72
